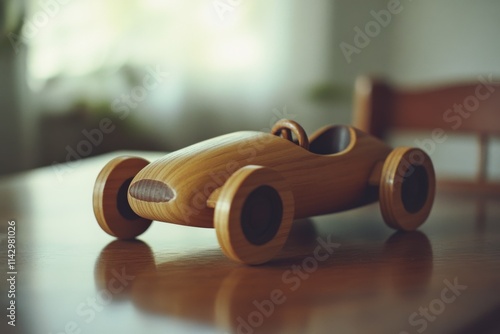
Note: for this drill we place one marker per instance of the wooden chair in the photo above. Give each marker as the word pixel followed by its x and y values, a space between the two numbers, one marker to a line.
pixel 467 108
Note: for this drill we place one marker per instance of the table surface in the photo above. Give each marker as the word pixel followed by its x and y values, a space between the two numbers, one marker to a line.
pixel 73 278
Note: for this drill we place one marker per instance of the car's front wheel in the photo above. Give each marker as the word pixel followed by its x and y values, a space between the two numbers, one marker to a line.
pixel 253 214
pixel 111 207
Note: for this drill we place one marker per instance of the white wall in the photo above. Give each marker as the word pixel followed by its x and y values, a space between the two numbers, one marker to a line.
pixel 426 43
pixel 445 40
pixel 373 58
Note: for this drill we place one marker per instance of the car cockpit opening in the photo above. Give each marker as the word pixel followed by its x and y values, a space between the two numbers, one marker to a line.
pixel 333 140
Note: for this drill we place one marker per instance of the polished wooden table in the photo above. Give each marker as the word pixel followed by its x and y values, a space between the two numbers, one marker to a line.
pixel 342 273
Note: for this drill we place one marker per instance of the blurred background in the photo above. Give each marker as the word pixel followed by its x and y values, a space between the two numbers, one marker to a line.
pixel 84 77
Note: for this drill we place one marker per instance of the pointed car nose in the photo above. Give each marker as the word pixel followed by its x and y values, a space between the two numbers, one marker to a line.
pixel 151 191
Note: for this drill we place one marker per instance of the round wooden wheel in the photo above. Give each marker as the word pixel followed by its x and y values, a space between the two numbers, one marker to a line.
pixel 253 214
pixel 407 188
pixel 111 207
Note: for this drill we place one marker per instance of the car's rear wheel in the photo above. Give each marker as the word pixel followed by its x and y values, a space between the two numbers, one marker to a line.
pixel 111 207
pixel 253 215
pixel 407 188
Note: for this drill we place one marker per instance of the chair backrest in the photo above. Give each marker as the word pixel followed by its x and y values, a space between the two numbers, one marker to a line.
pixel 472 107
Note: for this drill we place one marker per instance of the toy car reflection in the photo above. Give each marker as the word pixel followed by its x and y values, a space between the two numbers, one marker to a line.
pixel 250 186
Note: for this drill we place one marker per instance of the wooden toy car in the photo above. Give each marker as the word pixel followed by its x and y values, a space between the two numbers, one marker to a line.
pixel 250 186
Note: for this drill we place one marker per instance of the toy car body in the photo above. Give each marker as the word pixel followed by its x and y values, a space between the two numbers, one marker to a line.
pixel 251 185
